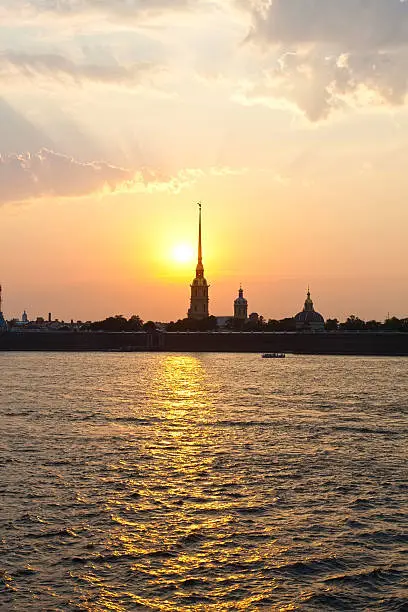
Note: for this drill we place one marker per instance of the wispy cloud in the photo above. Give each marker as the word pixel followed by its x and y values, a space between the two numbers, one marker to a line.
pixel 57 67
pixel 128 10
pixel 49 174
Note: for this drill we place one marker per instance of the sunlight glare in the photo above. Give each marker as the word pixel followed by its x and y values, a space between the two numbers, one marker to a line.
pixel 183 253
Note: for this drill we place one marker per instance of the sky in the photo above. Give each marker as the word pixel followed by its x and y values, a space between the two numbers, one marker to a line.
pixel 288 119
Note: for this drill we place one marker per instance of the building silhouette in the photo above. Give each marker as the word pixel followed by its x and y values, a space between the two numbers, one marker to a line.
pixel 241 306
pixel 309 319
pixel 3 324
pixel 199 287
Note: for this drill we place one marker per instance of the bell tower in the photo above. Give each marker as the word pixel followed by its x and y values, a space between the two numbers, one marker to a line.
pixel 241 306
pixel 199 287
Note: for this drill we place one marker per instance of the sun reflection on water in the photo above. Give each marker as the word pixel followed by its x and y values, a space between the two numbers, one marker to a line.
pixel 206 482
pixel 174 507
pixel 163 524
pixel 181 388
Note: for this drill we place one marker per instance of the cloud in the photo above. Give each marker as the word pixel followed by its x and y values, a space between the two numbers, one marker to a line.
pixel 329 54
pixel 57 67
pixel 348 24
pixel 49 174
pixel 17 133
pixel 72 9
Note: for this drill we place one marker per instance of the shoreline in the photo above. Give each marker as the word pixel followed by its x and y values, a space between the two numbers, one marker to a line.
pixel 323 343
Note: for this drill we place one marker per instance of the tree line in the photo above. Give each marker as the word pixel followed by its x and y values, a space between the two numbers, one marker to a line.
pixel 119 323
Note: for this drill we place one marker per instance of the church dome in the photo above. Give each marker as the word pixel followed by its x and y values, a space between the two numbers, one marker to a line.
pixel 240 300
pixel 309 317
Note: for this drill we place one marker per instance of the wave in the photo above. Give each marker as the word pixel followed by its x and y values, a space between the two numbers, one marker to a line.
pixel 315 566
pixel 58 533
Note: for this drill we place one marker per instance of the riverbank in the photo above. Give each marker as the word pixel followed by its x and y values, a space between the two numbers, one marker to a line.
pixel 337 343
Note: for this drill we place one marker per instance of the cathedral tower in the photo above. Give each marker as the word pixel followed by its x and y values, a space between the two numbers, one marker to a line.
pixel 241 306
pixel 199 288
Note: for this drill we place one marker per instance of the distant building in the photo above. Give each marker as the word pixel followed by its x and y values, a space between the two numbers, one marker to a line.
pixel 241 306
pixel 24 317
pixel 199 288
pixel 309 319
pixel 3 324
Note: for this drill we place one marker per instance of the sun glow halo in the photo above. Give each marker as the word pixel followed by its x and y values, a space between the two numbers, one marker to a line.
pixel 183 253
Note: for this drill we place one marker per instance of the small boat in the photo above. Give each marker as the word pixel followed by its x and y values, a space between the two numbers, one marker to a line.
pixel 273 355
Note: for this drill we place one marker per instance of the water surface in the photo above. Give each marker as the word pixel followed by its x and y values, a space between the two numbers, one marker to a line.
pixel 203 482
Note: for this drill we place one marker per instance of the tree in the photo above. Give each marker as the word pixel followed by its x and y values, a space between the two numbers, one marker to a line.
pixel 208 324
pixel 113 324
pixel 149 327
pixel 135 323
pixel 235 324
pixel 373 325
pixel 272 325
pixel 288 324
pixel 182 325
pixel 353 323
pixel 332 325
pixel 118 323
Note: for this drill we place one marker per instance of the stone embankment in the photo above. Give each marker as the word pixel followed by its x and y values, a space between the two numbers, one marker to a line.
pixel 364 343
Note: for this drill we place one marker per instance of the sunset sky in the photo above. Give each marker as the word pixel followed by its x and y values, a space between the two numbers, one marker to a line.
pixel 286 118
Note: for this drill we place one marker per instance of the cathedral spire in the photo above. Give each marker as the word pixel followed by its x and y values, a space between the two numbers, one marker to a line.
pixel 200 252
pixel 199 288
pixel 200 267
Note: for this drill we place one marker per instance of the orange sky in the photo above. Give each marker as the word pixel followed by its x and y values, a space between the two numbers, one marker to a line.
pixel 115 120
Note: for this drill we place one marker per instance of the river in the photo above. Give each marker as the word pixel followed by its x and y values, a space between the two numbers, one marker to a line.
pixel 157 481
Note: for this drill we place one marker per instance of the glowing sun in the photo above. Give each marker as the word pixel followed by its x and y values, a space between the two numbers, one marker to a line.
pixel 183 253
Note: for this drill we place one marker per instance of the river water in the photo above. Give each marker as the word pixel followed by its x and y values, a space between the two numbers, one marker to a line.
pixel 203 482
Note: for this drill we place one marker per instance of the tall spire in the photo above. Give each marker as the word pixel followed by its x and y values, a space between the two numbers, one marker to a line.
pixel 200 267
pixel 199 288
pixel 200 252
pixel 1 300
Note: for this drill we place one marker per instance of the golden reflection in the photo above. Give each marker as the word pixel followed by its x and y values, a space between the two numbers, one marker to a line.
pixel 181 388
pixel 172 506
pixel 182 394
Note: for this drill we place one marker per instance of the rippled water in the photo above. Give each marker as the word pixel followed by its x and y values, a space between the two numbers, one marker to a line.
pixel 203 482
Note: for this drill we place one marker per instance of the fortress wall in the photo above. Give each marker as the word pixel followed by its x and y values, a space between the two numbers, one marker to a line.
pixel 319 343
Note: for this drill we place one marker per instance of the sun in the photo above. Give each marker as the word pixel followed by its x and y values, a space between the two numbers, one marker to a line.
pixel 182 253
